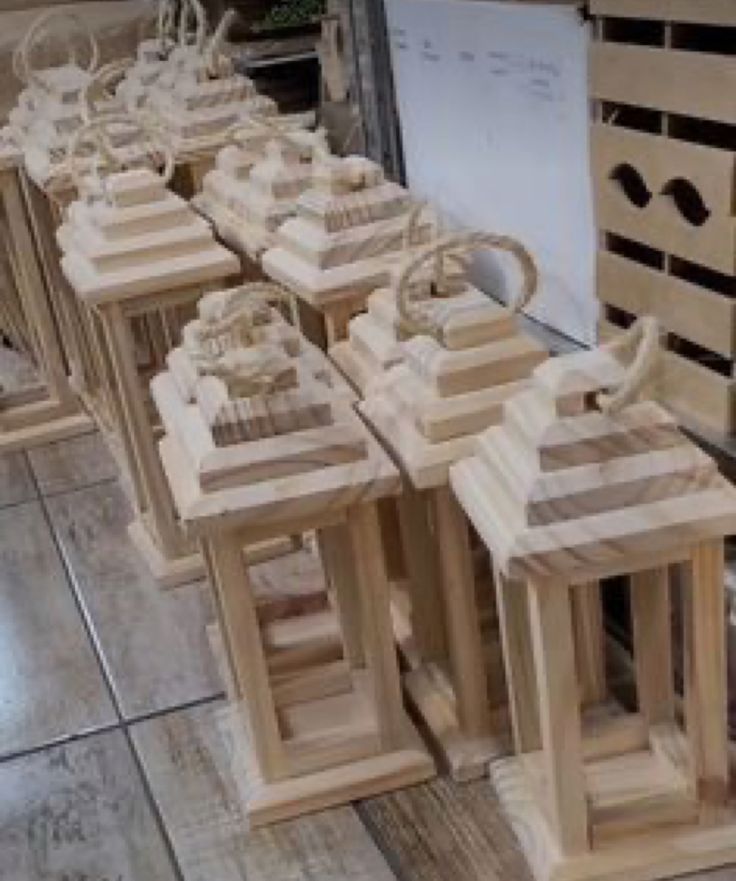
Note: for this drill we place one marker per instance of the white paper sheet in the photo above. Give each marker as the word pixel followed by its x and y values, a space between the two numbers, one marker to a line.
pixel 493 100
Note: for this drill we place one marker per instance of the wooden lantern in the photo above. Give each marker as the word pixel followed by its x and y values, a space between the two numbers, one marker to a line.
pixel 46 408
pixel 256 448
pixel 136 253
pixel 462 358
pixel 577 485
pixel 247 212
pixel 349 229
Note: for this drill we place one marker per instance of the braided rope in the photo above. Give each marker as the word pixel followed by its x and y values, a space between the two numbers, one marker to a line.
pixel 189 7
pixel 640 343
pixel 213 54
pixel 414 315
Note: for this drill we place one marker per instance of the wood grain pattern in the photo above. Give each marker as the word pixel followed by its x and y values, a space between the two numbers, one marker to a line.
pixel 186 763
pixel 440 831
pixel 79 812
pixel 153 642
pixel 72 464
pixel 50 683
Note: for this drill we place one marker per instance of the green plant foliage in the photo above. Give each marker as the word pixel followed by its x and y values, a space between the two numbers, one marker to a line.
pixel 291 13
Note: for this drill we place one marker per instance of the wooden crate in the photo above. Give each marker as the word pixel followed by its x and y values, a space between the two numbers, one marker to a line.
pixel 663 77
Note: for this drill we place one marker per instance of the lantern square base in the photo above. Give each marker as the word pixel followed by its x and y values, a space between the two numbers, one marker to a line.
pixel 680 844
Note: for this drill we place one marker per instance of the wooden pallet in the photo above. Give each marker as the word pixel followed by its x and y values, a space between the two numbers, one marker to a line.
pixel 663 76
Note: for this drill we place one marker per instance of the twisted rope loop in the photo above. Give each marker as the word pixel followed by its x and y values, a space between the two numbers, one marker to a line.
pixel 640 345
pixel 98 131
pixel 39 29
pixel 101 86
pixel 415 315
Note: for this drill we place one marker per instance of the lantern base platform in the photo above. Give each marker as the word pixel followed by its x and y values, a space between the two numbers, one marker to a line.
pixel 168 572
pixel 267 803
pixel 681 842
pixel 466 758
pixel 43 428
pixel 175 572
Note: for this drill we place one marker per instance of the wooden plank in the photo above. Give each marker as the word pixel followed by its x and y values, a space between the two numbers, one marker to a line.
pixel 587 618
pixel 712 12
pixel 153 643
pixel 652 625
pixel 188 769
pixel 72 464
pixel 439 831
pixel 460 606
pixel 80 811
pixel 706 691
pixel 698 394
pixel 16 482
pixel 692 312
pixel 52 681
pixel 675 81
pixel 660 160
pixel 559 713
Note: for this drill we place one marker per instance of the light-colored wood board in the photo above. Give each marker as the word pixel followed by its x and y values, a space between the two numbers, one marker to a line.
pixel 187 766
pixel 694 11
pixel 72 464
pixel 660 160
pixel 440 831
pixel 674 81
pixel 660 225
pixel 79 812
pixel 692 312
pixel 52 684
pixel 16 482
pixel 153 642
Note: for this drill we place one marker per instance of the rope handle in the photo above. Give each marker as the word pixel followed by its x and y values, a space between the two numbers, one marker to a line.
pixel 414 317
pixel 38 27
pixel 101 86
pixel 195 8
pixel 165 26
pixel 213 54
pixel 640 343
pixel 98 130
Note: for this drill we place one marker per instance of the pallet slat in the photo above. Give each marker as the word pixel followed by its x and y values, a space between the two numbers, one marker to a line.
pixel 674 81
pixel 694 313
pixel 713 12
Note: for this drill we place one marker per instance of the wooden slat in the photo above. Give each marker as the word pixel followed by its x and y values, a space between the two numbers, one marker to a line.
pixel 716 12
pixel 661 160
pixel 660 225
pixel 51 683
pixel 697 314
pixel 80 811
pixel 675 81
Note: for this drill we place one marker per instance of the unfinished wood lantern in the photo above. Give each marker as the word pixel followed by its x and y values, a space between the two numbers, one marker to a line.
pixel 348 232
pixel 463 356
pixel 258 448
pixel 586 480
pixel 247 213
pixel 37 404
pixel 138 258
pixel 199 97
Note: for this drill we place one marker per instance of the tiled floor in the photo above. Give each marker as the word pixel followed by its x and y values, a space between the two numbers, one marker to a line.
pixel 111 767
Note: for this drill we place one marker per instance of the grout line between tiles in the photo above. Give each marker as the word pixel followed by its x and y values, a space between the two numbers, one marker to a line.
pixel 64 740
pixel 131 721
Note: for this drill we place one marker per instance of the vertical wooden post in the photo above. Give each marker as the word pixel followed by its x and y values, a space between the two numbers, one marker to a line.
pixel 559 713
pixel 706 693
pixel 243 643
pixel 377 631
pixel 339 564
pixel 461 615
pixel 513 620
pixel 652 625
pixel 587 616
pixel 428 628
